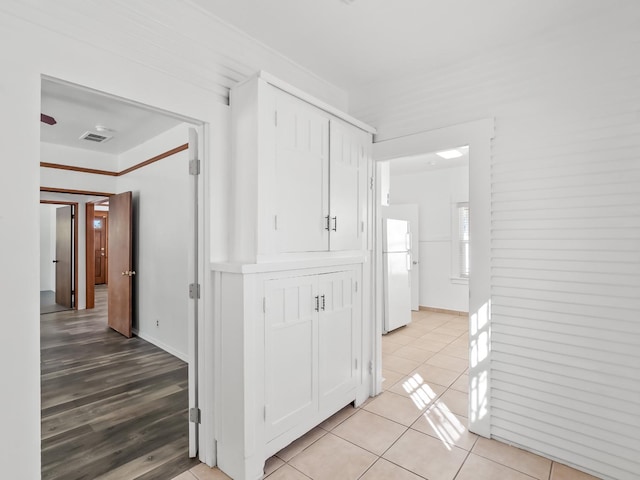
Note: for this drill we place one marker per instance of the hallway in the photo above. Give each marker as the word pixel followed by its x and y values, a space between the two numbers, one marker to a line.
pixel 112 408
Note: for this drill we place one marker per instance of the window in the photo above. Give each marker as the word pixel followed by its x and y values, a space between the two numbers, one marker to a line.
pixel 460 247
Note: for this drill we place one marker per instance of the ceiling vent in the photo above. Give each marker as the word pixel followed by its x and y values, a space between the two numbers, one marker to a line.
pixel 95 137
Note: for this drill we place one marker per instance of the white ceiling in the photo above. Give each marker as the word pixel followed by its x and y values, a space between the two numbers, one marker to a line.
pixel 352 43
pixel 349 43
pixel 78 110
pixel 426 163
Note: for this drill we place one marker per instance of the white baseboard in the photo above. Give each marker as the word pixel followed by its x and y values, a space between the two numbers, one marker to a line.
pixel 182 356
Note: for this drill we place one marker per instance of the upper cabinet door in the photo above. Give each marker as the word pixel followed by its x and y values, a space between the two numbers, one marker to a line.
pixel 348 186
pixel 301 176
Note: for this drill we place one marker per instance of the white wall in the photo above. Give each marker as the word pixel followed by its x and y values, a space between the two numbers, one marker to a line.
pixel 565 256
pixel 434 192
pixel 78 157
pixel 167 54
pixel 161 239
pixel 47 247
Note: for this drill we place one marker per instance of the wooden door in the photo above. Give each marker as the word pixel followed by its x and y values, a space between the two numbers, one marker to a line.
pixel 290 352
pixel 64 255
pixel 348 186
pixel 100 232
pixel 301 177
pixel 338 351
pixel 120 263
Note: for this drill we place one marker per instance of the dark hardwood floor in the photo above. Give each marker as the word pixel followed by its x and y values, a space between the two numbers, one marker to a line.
pixel 48 303
pixel 112 408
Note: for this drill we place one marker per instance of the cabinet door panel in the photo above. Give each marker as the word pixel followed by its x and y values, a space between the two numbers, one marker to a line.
pixel 348 186
pixel 290 352
pixel 336 331
pixel 301 176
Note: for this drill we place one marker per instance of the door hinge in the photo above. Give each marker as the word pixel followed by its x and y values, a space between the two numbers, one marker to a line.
pixel 356 363
pixel 194 167
pixel 370 368
pixel 362 226
pixel 194 290
pixel 370 183
pixel 356 286
pixel 194 415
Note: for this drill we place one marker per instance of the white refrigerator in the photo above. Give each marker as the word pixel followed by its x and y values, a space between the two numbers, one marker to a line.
pixel 396 260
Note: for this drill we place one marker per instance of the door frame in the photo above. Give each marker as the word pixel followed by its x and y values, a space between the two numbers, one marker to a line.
pixel 74 218
pixel 204 208
pixel 477 135
pixel 90 289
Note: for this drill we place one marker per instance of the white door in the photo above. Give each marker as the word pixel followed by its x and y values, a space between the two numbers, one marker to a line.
pixel 291 322
pixel 301 176
pixel 337 340
pixel 348 186
pixel 410 213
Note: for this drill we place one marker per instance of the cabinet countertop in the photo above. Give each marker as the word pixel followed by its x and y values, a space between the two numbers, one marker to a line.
pixel 282 265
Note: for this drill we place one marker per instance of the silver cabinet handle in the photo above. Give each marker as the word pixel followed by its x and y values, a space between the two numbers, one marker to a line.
pixel 317 303
pixel 335 224
pixel 327 225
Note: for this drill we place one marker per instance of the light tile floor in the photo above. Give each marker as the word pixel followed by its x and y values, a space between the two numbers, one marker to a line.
pixel 415 429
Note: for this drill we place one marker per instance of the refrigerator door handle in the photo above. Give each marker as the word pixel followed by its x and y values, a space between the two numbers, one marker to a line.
pixel 407 241
pixel 409 261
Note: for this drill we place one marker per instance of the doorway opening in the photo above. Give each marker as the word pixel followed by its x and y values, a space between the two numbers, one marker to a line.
pixel 97 147
pixel 423 216
pixel 58 256
pixel 100 248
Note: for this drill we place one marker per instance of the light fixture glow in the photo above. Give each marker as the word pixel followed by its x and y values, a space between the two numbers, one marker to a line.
pixel 102 128
pixel 449 154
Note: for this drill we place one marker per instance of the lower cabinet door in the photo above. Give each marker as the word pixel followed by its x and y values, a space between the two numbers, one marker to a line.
pixel 291 376
pixel 338 353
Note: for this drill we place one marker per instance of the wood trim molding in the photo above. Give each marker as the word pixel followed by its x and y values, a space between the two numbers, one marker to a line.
pixel 166 154
pixel 78 169
pixel 75 192
pixel 56 202
pixel 95 171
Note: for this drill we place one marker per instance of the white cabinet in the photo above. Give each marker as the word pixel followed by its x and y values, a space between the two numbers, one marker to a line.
pixel 291 355
pixel 311 354
pixel 301 176
pixel 289 303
